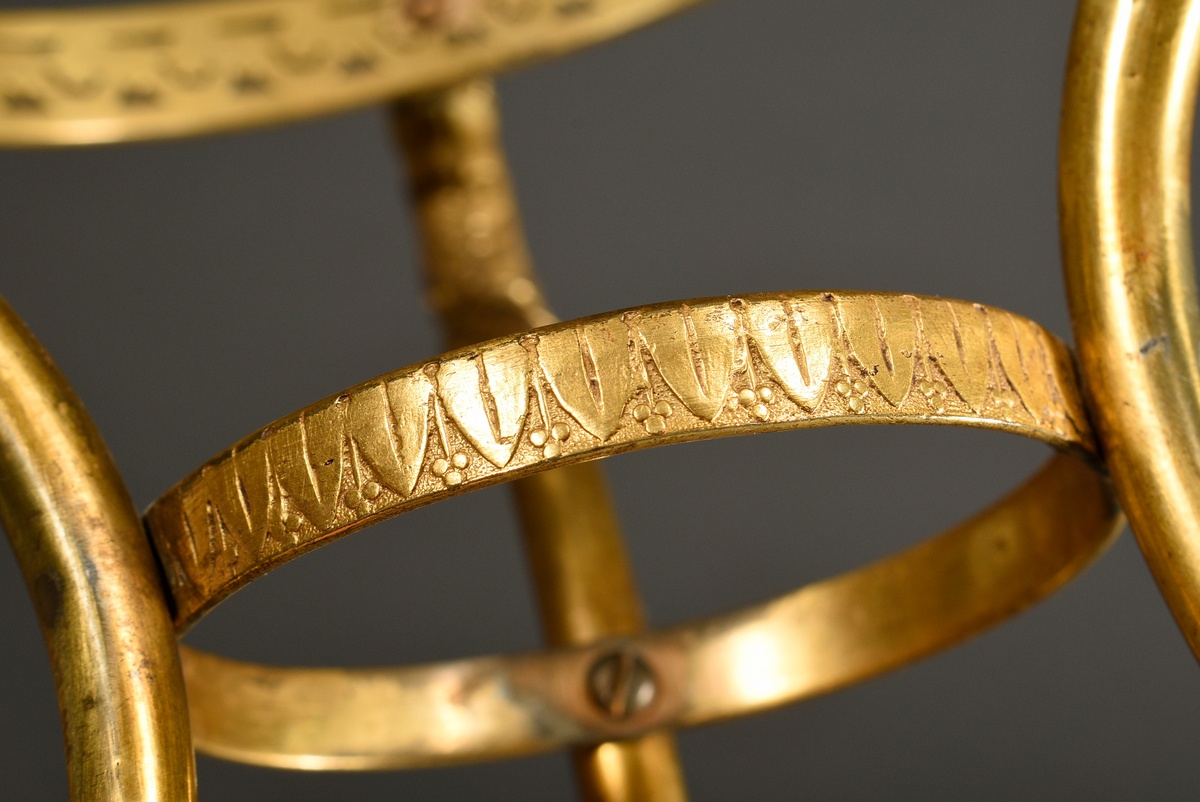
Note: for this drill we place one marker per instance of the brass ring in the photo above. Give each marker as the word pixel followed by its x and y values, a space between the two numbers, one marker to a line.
pixel 1126 215
pixel 811 641
pixel 132 72
pixel 599 386
pixel 605 385
pixel 94 584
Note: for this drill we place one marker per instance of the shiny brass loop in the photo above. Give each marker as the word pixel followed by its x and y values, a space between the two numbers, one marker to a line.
pixel 811 641
pixel 1126 214
pixel 596 387
pixel 95 587
pixel 149 71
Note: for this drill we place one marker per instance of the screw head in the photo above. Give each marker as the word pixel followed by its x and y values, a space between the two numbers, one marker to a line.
pixel 621 683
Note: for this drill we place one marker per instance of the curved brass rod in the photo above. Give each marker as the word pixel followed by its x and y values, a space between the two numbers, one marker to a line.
pixel 95 586
pixel 1126 215
pixel 814 640
pixel 483 285
pixel 157 70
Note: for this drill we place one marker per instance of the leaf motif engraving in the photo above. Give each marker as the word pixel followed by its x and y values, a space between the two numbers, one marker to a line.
pixel 253 473
pixel 242 497
pixel 794 341
pixel 1018 343
pixel 570 360
pixel 320 474
pixel 695 350
pixel 958 342
pixel 166 515
pixel 882 335
pixel 389 425
pixel 194 517
pixel 307 455
pixel 211 541
pixel 487 397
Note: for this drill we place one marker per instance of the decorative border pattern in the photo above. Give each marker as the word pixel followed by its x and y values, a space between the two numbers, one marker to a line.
pixel 150 71
pixel 599 386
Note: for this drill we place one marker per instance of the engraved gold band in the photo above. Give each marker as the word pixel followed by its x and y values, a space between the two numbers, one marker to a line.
pixel 600 386
pixel 121 73
pixel 1126 214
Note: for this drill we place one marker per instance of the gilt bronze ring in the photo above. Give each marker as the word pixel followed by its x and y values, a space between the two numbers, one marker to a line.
pixel 1127 246
pixel 601 386
pixel 121 73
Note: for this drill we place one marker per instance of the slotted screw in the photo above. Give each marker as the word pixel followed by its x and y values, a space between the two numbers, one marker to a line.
pixel 621 683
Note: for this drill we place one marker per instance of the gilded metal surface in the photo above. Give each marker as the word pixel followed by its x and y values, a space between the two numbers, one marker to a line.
pixel 147 71
pixel 811 641
pixel 518 406
pixel 483 285
pixel 611 383
pixel 480 276
pixel 615 382
pixel 1126 216
pixel 598 386
pixel 95 587
pixel 586 592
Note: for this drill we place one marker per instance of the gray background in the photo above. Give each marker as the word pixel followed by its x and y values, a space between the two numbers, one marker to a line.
pixel 194 291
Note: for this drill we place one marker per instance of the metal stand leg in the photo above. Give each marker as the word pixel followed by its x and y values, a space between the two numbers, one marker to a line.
pixel 482 285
